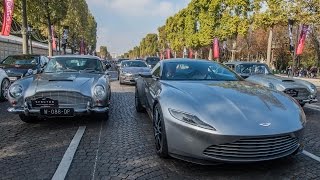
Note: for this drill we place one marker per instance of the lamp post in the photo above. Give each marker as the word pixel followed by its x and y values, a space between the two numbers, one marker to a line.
pixel 30 31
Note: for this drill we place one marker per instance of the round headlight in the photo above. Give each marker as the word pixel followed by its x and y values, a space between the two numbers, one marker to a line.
pixel 313 89
pixel 99 91
pixel 16 91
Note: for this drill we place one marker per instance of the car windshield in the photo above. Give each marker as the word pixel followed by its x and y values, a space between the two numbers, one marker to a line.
pixel 21 60
pixel 253 69
pixel 133 64
pixel 200 70
pixel 73 64
pixel 152 61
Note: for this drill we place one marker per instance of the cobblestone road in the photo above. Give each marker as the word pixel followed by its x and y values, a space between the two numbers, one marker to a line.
pixel 123 148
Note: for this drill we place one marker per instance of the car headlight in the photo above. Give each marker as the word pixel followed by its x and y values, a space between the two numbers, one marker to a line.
pixel 190 119
pixel 271 86
pixel 313 89
pixel 16 91
pixel 99 91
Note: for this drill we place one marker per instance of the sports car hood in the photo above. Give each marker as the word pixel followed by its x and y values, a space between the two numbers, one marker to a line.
pixel 136 70
pixel 63 82
pixel 278 80
pixel 237 108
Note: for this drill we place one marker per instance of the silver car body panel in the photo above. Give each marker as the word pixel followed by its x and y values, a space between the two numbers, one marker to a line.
pixel 129 75
pixel 240 111
pixel 283 84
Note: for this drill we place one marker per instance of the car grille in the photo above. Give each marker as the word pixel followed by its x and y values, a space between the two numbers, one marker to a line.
pixel 303 93
pixel 254 149
pixel 66 99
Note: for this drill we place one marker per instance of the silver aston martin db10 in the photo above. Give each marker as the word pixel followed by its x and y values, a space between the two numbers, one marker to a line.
pixel 68 86
pixel 259 73
pixel 203 112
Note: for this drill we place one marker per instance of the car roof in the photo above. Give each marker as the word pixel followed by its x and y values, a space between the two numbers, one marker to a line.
pixel 185 60
pixel 242 62
pixel 77 56
pixel 132 60
pixel 24 55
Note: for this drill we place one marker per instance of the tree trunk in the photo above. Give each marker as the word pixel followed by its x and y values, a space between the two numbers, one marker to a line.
pixel 49 35
pixel 316 44
pixel 234 48
pixel 269 47
pixel 24 28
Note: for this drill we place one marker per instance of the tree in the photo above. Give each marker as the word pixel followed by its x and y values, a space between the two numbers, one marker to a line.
pixel 103 52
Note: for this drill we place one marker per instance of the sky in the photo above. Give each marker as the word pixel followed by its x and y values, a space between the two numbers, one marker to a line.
pixel 123 23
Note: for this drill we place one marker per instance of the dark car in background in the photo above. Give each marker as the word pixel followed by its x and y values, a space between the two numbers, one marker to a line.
pixel 19 66
pixel 152 61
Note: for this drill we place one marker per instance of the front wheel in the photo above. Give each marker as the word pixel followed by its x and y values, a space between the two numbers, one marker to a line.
pixel 160 133
pixel 4 89
pixel 139 107
pixel 28 119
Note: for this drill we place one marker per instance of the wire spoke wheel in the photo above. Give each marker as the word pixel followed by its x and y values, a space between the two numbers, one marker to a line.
pixel 4 88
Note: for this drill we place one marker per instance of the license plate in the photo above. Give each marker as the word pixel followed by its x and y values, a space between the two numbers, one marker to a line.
pixel 57 112
pixel 44 102
pixel 13 78
pixel 292 92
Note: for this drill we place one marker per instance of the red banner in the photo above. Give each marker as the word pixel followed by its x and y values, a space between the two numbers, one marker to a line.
pixel 302 39
pixel 216 49
pixel 54 44
pixel 168 53
pixel 190 53
pixel 7 17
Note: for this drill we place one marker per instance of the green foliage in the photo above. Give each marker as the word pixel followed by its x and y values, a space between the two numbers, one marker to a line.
pixel 72 13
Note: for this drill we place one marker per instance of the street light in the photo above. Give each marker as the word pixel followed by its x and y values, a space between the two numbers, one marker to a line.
pixel 29 32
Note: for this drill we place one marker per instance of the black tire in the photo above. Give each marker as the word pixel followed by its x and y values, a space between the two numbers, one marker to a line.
pixel 5 84
pixel 28 119
pixel 302 104
pixel 103 116
pixel 139 107
pixel 160 133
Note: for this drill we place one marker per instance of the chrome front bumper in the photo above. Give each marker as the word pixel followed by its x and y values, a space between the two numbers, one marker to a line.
pixel 77 112
pixel 308 101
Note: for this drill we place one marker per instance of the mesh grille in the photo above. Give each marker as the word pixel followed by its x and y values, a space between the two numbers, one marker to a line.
pixel 66 99
pixel 254 149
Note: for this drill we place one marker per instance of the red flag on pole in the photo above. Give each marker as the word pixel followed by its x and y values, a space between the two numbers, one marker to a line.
pixel 7 17
pixel 216 49
pixel 168 53
pixel 190 53
pixel 302 39
pixel 54 45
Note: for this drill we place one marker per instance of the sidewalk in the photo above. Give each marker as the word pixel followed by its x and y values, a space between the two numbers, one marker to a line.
pixel 315 81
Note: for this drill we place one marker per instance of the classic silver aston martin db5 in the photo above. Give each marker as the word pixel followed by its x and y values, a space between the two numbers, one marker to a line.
pixel 259 73
pixel 69 86
pixel 203 112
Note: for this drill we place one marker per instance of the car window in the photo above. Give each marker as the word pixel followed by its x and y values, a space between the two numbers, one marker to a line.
pixel 156 70
pixel 252 69
pixel 203 70
pixel 71 64
pixel 133 64
pixel 21 60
